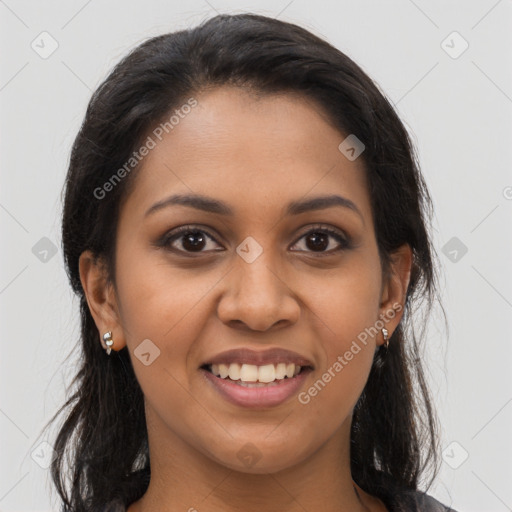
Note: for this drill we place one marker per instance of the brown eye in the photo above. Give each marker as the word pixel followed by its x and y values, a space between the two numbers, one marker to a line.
pixel 319 240
pixel 193 241
pixel 188 239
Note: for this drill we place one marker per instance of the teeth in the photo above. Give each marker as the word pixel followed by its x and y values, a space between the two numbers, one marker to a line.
pixel 280 371
pixel 248 373
pixel 265 373
pixel 223 370
pixel 234 371
pixel 252 373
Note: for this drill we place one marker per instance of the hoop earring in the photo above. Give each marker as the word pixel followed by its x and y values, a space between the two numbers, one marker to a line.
pixel 385 335
pixel 107 338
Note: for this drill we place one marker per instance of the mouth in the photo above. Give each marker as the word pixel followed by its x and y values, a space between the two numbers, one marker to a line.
pixel 246 389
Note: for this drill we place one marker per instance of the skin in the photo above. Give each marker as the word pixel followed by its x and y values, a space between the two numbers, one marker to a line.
pixel 257 154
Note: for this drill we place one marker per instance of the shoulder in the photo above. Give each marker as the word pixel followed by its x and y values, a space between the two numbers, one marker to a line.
pixel 415 501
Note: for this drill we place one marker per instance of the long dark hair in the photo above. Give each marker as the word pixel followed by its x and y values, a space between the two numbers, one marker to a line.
pixel 394 437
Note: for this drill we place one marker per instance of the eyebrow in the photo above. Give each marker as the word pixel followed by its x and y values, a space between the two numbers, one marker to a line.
pixel 211 205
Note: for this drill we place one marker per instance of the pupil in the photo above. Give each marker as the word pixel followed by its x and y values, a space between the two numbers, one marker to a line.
pixel 319 241
pixel 189 243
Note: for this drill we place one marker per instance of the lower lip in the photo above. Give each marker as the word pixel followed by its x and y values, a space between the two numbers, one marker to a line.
pixel 268 396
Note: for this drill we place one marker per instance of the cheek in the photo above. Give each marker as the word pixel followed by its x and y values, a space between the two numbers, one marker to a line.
pixel 338 383
pixel 345 302
pixel 162 304
pixel 344 312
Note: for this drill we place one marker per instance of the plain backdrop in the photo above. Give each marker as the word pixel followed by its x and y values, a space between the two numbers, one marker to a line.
pixel 446 67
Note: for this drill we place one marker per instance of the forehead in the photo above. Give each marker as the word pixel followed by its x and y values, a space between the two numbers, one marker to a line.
pixel 249 151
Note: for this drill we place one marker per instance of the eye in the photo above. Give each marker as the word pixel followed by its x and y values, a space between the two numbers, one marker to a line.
pixel 193 239
pixel 317 240
pixel 189 239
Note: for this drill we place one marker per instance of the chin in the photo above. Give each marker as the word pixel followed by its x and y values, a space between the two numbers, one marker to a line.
pixel 253 460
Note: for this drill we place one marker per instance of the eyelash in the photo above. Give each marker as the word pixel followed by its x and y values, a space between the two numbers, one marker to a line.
pixel 176 234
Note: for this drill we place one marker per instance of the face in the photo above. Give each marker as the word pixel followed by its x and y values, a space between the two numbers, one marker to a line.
pixel 260 277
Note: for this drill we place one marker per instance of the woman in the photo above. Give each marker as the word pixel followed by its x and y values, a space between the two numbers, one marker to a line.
pixel 245 224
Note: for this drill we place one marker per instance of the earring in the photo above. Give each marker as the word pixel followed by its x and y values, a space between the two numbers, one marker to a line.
pixel 107 338
pixel 385 335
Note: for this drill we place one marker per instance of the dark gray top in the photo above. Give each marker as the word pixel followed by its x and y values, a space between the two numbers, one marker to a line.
pixel 415 501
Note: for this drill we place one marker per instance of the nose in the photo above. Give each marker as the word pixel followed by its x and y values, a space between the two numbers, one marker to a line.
pixel 256 297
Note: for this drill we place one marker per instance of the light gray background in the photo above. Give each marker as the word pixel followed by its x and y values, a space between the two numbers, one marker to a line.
pixel 459 111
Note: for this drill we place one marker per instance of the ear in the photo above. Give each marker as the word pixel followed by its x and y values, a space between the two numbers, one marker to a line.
pixel 394 289
pixel 101 298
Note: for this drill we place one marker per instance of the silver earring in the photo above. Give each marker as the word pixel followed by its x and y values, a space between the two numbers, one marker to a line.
pixel 107 338
pixel 385 335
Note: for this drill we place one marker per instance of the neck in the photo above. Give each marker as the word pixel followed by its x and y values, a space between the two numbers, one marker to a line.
pixel 183 478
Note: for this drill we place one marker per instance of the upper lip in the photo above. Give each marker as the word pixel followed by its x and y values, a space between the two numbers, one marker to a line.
pixel 259 358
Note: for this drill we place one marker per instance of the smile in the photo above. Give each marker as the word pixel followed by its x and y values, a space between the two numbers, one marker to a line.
pixel 254 373
pixel 254 386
